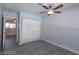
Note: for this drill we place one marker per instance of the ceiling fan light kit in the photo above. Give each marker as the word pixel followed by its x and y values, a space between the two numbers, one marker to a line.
pixel 50 11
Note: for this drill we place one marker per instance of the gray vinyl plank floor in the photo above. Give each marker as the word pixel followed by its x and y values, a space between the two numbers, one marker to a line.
pixel 38 47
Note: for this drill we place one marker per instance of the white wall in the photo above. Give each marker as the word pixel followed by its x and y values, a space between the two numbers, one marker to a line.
pixel 62 29
pixel 10 14
pixel 29 16
pixel 30 28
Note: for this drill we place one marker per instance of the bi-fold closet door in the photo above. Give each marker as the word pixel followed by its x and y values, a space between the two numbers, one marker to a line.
pixel 30 30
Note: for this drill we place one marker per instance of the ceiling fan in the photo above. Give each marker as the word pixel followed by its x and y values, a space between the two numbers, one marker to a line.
pixel 50 9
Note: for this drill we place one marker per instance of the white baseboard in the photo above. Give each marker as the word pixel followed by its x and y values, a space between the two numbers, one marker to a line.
pixel 69 49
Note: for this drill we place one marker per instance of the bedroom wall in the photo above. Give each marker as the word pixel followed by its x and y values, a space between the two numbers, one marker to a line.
pixel 9 14
pixel 62 29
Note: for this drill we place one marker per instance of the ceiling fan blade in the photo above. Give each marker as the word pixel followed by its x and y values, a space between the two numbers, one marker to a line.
pixel 43 12
pixel 59 6
pixel 45 7
pixel 57 11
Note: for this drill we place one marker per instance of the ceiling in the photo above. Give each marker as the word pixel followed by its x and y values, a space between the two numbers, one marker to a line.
pixel 32 8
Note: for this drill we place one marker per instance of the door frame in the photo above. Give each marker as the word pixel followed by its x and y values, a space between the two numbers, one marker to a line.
pixel 3 30
pixel 18 28
pixel 2 34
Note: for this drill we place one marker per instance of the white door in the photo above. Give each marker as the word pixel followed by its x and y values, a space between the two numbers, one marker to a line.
pixel 30 30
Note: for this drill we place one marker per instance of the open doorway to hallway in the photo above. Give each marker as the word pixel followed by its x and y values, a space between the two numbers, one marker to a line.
pixel 10 33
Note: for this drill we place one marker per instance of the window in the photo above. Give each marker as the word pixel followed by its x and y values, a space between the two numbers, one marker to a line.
pixel 7 25
pixel 10 25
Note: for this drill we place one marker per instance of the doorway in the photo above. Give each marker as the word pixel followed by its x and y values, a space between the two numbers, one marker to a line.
pixel 10 33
